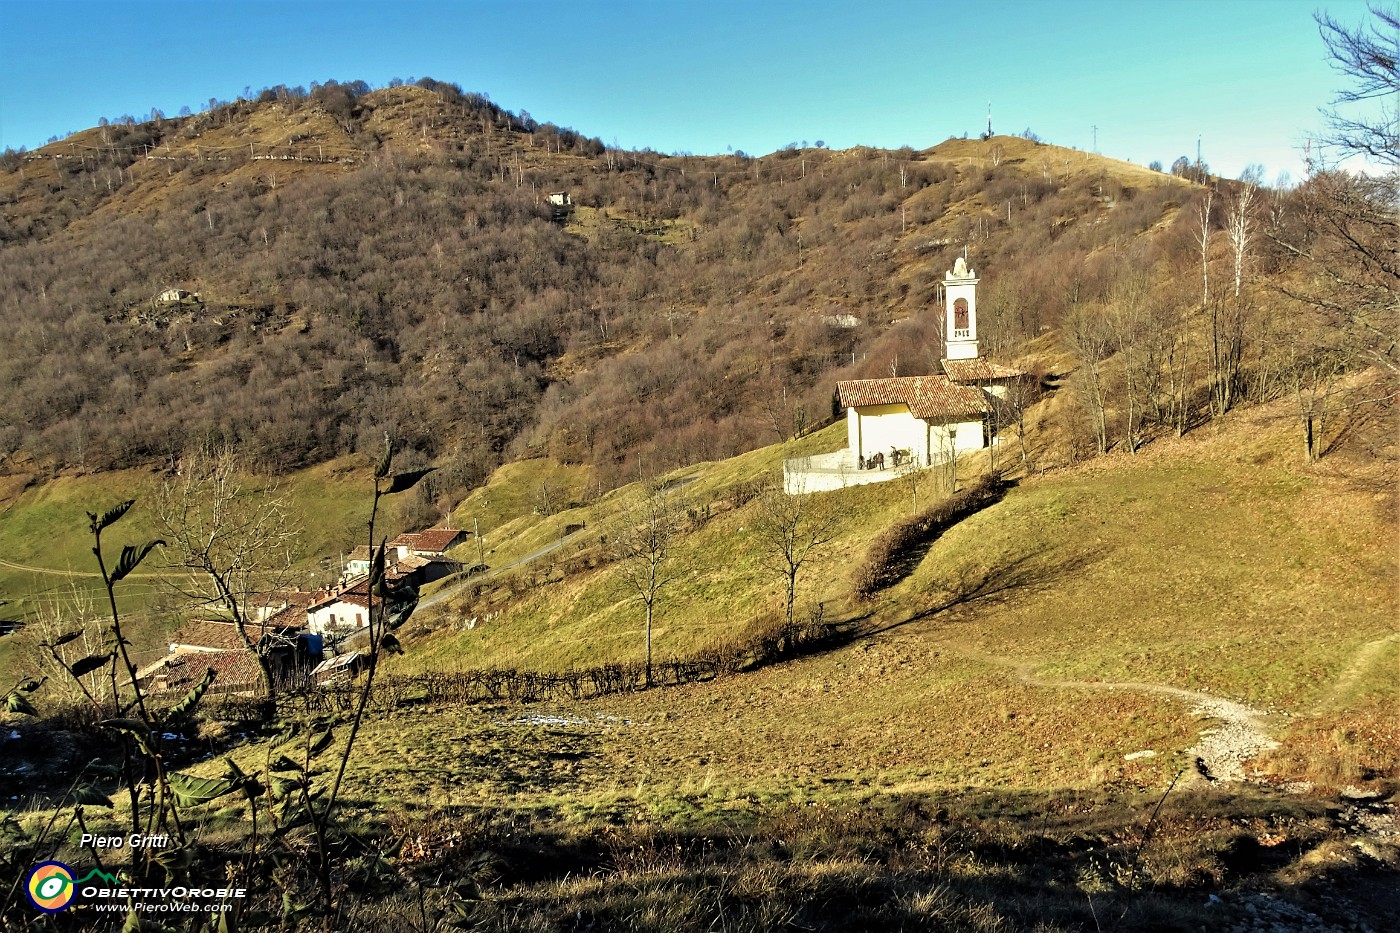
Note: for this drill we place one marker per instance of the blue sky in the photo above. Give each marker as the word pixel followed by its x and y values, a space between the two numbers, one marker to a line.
pixel 1247 77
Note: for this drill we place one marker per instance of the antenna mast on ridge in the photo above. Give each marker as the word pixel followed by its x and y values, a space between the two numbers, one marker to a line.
pixel 989 121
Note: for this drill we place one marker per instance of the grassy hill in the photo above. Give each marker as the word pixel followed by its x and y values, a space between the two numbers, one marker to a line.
pixel 989 743
pixel 49 575
pixel 1206 563
pixel 357 254
pixel 972 754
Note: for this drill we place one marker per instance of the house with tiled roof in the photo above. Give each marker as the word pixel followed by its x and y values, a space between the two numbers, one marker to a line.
pixel 913 422
pixel 346 609
pixel 200 644
pixel 432 542
pixel 922 418
pixel 341 611
pixel 431 545
pixel 435 542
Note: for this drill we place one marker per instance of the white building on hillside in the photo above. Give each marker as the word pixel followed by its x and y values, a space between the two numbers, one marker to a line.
pixel 913 422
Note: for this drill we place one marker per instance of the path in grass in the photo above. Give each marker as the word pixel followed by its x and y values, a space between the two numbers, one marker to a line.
pixel 447 591
pixel 1241 733
pixel 1361 663
pixel 1221 751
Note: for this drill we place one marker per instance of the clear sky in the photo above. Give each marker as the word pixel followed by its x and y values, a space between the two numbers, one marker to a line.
pixel 1245 76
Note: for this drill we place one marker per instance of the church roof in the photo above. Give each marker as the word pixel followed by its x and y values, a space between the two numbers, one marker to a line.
pixel 978 370
pixel 932 398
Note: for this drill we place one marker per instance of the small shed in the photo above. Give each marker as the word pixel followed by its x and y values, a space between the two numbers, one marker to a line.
pixel 341 667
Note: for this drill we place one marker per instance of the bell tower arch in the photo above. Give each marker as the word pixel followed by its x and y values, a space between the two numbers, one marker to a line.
pixel 960 290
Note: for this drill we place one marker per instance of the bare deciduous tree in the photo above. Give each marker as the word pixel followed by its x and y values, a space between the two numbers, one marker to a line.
pixel 237 541
pixel 1368 57
pixel 1239 221
pixel 1203 231
pixel 1314 369
pixel 793 531
pixel 1131 325
pixel 1091 342
pixel 644 548
pixel 1346 228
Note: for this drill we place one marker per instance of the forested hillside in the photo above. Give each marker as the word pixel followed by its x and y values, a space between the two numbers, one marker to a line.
pixel 366 261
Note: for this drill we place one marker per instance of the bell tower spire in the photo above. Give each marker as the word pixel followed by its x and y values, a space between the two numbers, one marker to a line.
pixel 960 287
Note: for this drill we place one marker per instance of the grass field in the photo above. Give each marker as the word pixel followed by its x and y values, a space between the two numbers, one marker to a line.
pixel 961 760
pixel 47 568
pixel 1209 563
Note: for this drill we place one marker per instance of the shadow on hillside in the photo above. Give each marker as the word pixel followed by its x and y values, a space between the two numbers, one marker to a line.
pixel 1366 424
pixel 897 551
pixel 974 583
pixel 991 859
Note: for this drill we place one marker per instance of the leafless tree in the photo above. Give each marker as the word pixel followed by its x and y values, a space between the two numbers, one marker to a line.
pixel 1090 340
pixel 236 540
pixel 1179 378
pixel 1021 393
pixel 1226 341
pixel 911 470
pixel 1315 366
pixel 1346 229
pixel 783 408
pixel 1239 221
pixel 793 531
pixel 1367 56
pixel 1203 231
pixel 644 548
pixel 948 458
pixel 1137 343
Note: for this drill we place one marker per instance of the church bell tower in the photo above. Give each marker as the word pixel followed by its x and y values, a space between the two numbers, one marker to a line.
pixel 960 291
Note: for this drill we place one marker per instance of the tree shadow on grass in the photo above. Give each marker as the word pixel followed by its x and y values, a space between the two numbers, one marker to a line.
pixel 948 860
pixel 975 584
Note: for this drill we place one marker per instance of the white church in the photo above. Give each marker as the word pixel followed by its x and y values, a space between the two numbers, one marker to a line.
pixel 913 422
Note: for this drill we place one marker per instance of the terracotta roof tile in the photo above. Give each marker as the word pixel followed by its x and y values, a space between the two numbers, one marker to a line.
pixel 978 370
pixel 437 539
pixel 932 398
pixel 213 635
pixel 178 673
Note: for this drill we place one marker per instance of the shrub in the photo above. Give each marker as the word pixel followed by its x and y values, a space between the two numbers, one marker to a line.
pixel 894 552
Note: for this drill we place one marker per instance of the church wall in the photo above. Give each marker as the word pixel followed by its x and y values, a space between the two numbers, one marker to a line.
pixel 884 426
pixel 967 435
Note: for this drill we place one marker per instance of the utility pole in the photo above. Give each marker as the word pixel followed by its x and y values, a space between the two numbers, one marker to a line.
pixel 1095 128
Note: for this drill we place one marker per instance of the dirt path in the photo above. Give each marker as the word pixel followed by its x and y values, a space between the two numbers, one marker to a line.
pixel 1361 662
pixel 1222 749
pixel 1240 732
pixel 49 570
pixel 447 591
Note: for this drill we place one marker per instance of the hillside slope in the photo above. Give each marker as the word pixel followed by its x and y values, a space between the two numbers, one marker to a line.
pixel 1205 565
pixel 361 261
